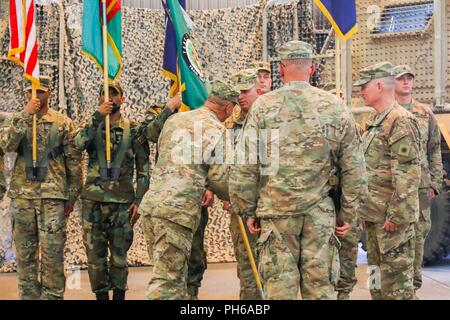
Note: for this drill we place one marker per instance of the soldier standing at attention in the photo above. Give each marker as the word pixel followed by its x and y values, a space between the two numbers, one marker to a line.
pixel 290 204
pixel 42 197
pixel 431 161
pixel 110 201
pixel 392 152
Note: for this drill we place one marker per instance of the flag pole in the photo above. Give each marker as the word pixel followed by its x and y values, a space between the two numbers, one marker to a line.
pixel 106 85
pixel 34 127
pixel 338 65
pixel 250 257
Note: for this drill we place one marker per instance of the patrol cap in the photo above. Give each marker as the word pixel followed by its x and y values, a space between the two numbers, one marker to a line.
pixel 295 50
pixel 401 70
pixel 223 91
pixel 112 84
pixel 245 79
pixel 45 84
pixel 261 65
pixel 375 71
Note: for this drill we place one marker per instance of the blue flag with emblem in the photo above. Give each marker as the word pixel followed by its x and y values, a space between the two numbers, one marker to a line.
pixel 181 60
pixel 342 16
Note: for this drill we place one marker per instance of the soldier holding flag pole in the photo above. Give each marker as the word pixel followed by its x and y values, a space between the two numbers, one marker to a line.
pixel 43 189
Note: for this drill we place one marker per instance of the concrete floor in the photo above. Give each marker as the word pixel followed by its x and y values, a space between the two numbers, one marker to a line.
pixel 221 283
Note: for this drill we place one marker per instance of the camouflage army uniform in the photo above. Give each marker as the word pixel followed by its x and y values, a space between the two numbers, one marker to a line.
pixel 392 152
pixel 151 128
pixel 105 211
pixel 348 251
pixel 243 80
pixel 392 157
pixel 431 166
pixel 38 207
pixel 178 182
pixel 292 202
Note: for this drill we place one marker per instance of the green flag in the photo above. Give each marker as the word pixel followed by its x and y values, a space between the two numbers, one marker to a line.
pixel 92 41
pixel 193 82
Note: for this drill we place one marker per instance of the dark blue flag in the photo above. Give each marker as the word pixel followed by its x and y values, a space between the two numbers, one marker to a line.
pixel 342 16
pixel 170 66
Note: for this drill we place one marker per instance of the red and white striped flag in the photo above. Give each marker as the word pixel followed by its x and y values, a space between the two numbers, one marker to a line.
pixel 23 48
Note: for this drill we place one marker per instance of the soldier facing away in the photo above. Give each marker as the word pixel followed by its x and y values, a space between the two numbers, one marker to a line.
pixel 186 150
pixel 290 204
pixel 392 153
pixel 431 160
pixel 42 198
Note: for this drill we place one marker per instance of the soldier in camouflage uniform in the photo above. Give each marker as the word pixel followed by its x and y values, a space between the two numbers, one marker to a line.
pixel 348 251
pixel 392 153
pixel 246 82
pixel 285 195
pixel 431 162
pixel 151 128
pixel 178 183
pixel 110 202
pixel 42 198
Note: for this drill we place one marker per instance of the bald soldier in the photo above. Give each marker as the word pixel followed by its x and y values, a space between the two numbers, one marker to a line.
pixel 392 153
pixel 303 134
pixel 431 161
pixel 187 150
pixel 42 197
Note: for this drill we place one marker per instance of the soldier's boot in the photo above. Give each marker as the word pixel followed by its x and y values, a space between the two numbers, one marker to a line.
pixel 118 294
pixel 343 295
pixel 102 296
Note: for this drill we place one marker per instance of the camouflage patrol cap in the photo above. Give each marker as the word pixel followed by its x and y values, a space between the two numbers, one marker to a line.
pixel 376 71
pixel 245 79
pixel 112 84
pixel 261 65
pixel 223 91
pixel 401 70
pixel 295 50
pixel 45 84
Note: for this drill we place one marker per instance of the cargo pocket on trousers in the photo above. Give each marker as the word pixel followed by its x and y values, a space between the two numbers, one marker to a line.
pixel 263 253
pixel 174 249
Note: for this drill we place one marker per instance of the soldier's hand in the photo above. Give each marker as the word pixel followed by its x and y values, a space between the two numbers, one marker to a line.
pixel 389 226
pixel 342 228
pixel 431 193
pixel 253 225
pixel 208 198
pixel 175 102
pixel 105 108
pixel 68 208
pixel 134 214
pixel 226 205
pixel 33 106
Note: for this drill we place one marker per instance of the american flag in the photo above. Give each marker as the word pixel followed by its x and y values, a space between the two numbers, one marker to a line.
pixel 23 47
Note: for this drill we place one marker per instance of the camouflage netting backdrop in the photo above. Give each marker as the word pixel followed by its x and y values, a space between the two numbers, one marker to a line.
pixel 227 39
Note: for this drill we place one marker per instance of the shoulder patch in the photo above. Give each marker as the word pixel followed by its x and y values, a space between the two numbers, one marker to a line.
pixel 404 150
